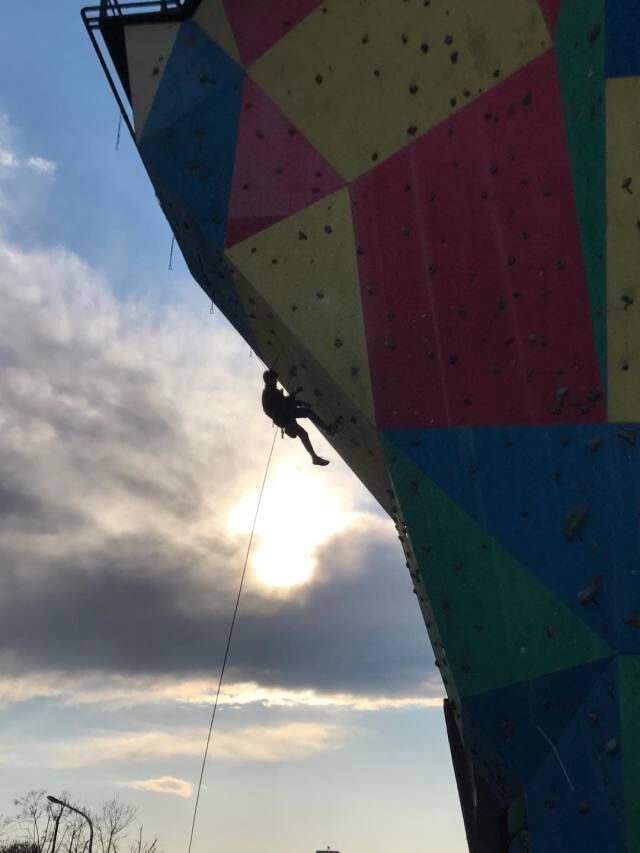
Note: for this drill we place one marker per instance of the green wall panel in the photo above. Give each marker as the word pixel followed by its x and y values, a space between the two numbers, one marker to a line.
pixel 499 625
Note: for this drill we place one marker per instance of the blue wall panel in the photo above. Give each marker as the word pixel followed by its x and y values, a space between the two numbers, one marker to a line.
pixel 501 727
pixel 623 38
pixel 206 263
pixel 189 140
pixel 525 485
pixel 591 816
pixel 198 71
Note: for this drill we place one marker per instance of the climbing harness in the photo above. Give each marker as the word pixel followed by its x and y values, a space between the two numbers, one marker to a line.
pixel 226 653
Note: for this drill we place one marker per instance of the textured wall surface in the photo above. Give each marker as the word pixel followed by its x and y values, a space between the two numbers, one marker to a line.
pixel 425 213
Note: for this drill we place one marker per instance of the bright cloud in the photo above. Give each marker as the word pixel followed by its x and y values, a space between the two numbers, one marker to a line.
pixel 120 468
pixel 298 513
pixel 121 692
pixel 41 165
pixel 163 785
pixel 10 159
pixel 285 742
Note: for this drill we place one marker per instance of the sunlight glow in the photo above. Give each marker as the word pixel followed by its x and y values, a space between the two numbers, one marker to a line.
pixel 299 512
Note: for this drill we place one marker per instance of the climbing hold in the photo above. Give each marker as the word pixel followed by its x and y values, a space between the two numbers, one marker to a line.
pixel 594 34
pixel 560 397
pixel 628 435
pixel 575 520
pixel 611 746
pixel 589 594
pixel 508 729
pixel 626 300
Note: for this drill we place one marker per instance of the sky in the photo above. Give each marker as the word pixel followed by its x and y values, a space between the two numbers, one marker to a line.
pixel 132 449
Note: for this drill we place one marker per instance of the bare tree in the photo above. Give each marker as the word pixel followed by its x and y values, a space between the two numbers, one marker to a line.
pixel 32 827
pixel 74 837
pixel 34 819
pixel 142 846
pixel 112 824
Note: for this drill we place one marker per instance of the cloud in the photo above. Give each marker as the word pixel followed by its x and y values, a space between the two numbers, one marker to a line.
pixel 118 692
pixel 346 633
pixel 8 159
pixel 41 165
pixel 294 741
pixel 127 436
pixel 12 161
pixel 163 785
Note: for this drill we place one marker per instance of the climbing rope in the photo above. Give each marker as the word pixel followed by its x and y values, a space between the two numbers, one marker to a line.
pixel 119 132
pixel 226 653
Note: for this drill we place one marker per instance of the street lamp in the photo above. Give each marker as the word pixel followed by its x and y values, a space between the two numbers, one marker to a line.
pixel 64 805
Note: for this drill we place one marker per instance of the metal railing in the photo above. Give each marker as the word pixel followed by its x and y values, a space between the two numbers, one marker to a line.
pixel 116 8
pixel 96 18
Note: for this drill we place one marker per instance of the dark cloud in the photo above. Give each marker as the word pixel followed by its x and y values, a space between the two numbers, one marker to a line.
pixel 124 442
pixel 24 512
pixel 358 630
pixel 138 607
pixel 15 503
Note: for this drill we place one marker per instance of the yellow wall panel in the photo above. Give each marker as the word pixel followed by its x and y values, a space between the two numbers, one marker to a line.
pixel 149 47
pixel 353 61
pixel 305 268
pixel 212 18
pixel 357 439
pixel 623 247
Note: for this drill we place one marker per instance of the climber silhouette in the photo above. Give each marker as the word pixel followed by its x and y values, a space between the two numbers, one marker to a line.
pixel 284 411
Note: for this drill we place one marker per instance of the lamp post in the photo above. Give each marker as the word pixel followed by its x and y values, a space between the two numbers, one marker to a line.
pixel 64 805
pixel 55 830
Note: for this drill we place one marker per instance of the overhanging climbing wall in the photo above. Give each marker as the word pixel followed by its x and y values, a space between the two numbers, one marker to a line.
pixel 425 213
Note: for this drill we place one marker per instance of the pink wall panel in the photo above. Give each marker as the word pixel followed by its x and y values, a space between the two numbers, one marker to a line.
pixel 472 278
pixel 257 25
pixel 551 11
pixel 277 171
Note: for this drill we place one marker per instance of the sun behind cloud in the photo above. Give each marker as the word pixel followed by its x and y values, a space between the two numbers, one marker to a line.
pixel 300 511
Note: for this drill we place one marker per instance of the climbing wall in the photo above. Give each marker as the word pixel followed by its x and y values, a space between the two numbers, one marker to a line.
pixel 425 214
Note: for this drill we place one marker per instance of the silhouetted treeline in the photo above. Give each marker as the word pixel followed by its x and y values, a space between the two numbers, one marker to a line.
pixel 36 823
